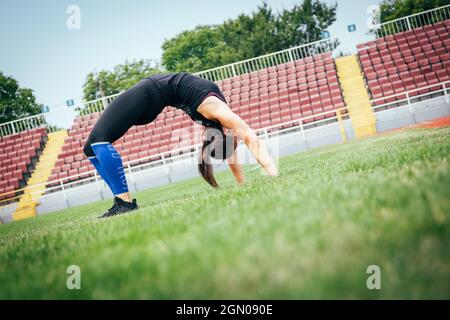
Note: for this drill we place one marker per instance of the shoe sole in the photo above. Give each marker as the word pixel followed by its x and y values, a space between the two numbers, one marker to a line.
pixel 117 214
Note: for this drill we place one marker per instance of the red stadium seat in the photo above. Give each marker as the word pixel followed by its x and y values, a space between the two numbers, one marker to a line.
pixel 16 154
pixel 419 56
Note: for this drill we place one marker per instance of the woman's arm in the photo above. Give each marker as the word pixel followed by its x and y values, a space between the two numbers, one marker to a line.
pixel 235 167
pixel 218 110
pixel 254 144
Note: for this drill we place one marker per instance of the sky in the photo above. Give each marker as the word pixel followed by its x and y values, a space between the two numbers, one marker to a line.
pixel 43 54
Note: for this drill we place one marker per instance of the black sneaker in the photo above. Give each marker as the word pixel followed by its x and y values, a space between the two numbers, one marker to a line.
pixel 120 207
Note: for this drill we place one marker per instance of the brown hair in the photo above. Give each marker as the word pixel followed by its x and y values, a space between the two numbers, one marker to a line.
pixel 216 145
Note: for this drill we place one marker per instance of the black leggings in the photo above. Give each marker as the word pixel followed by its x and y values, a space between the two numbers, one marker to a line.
pixel 139 105
pixel 143 102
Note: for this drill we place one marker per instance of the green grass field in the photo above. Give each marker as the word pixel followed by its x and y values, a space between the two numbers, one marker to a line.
pixel 310 233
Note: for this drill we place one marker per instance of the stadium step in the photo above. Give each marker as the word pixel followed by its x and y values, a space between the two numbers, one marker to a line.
pixel 356 96
pixel 26 207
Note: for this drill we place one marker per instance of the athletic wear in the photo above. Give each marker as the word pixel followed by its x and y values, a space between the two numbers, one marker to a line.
pixel 186 92
pixel 139 105
pixel 143 102
pixel 101 172
pixel 120 207
pixel 110 166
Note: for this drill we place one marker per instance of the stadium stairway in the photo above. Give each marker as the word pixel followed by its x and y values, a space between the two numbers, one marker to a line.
pixel 26 207
pixel 356 96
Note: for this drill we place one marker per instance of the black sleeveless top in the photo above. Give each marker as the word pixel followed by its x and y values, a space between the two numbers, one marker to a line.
pixel 186 92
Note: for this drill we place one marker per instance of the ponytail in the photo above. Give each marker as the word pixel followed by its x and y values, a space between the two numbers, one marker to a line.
pixel 215 145
pixel 205 166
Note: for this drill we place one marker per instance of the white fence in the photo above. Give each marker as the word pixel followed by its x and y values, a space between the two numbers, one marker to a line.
pixel 23 124
pixel 60 114
pixel 270 60
pixel 97 105
pixel 412 21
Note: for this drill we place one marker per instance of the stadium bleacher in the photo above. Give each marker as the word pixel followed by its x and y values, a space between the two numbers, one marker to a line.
pixel 264 98
pixel 286 92
pixel 406 61
pixel 18 155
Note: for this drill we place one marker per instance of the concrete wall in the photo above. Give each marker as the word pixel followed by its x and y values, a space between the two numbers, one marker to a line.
pixel 6 213
pixel 420 112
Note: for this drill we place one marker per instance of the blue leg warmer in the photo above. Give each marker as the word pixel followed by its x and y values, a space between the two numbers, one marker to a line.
pixel 101 172
pixel 111 167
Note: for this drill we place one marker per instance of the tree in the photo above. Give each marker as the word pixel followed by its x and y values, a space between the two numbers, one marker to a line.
pixel 247 36
pixel 16 102
pixel 190 49
pixel 105 83
pixel 305 23
pixel 394 9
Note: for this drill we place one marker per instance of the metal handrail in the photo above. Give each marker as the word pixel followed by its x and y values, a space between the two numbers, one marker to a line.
pixel 408 92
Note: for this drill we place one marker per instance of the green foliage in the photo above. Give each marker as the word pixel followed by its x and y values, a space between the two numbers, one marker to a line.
pixel 190 48
pixel 247 36
pixel 15 102
pixel 310 233
pixel 105 83
pixel 394 9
